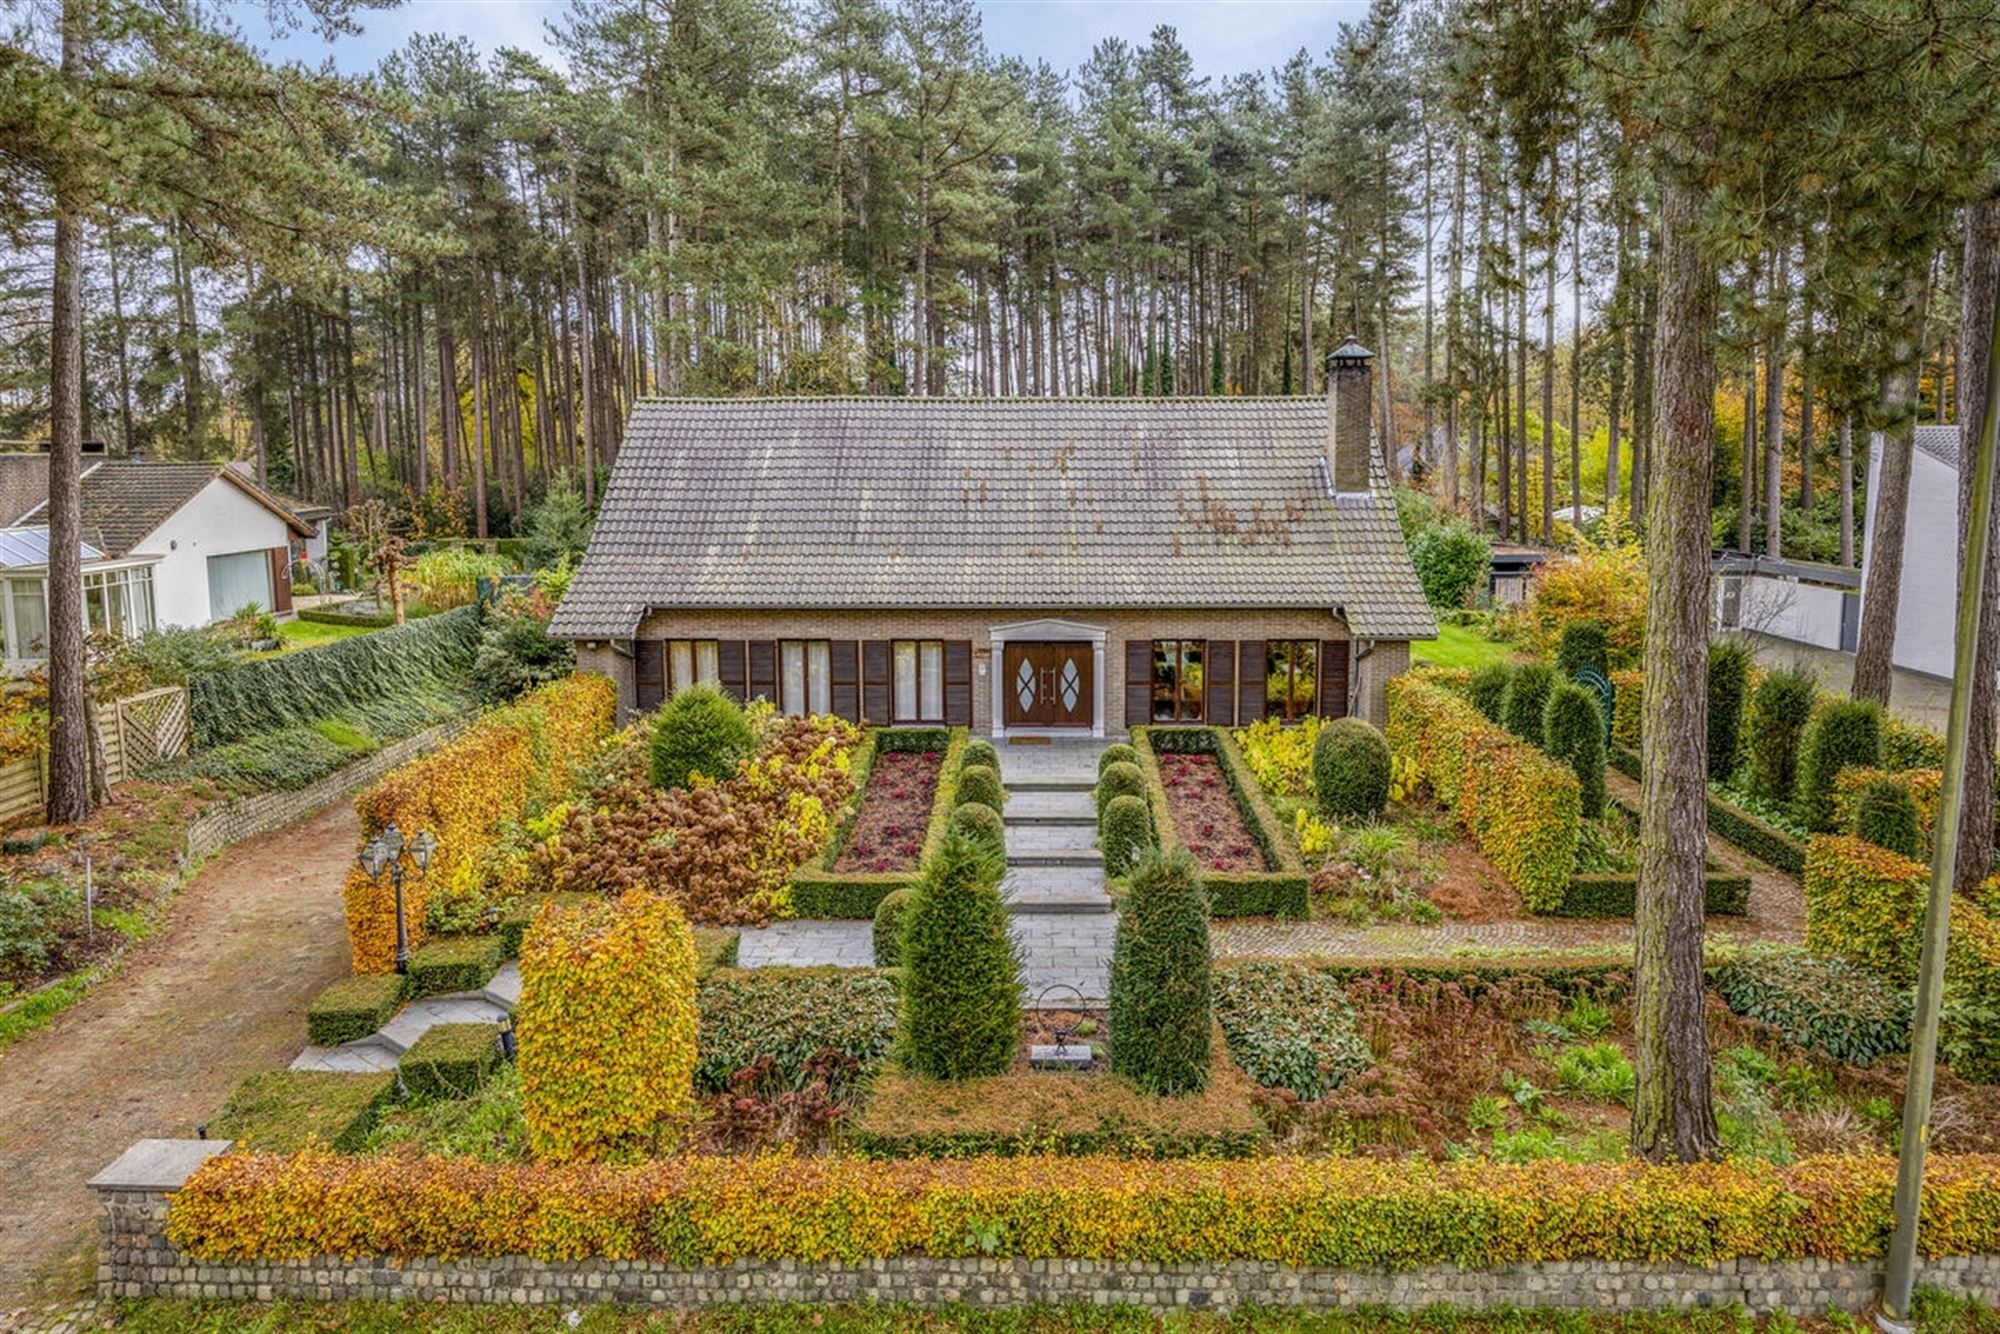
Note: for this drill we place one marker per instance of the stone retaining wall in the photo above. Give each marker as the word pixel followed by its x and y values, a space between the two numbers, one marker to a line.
pixel 137 1260
pixel 246 817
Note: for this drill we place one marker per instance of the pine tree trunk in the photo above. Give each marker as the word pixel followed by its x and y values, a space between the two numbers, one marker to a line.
pixel 69 764
pixel 1980 288
pixel 1673 1116
pixel 1774 409
pixel 1881 595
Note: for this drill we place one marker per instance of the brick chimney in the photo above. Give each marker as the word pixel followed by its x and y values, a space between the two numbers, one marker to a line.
pixel 1349 417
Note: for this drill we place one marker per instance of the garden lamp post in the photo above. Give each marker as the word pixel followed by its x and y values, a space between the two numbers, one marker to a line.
pixel 389 851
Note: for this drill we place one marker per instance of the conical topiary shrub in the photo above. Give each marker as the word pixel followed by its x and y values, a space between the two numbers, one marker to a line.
pixel 961 978
pixel 1885 814
pixel 1527 698
pixel 1161 989
pixel 1573 732
pixel 1488 688
pixel 1843 733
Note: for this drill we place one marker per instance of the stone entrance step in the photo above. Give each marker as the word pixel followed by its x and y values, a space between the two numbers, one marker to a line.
pixel 1018 785
pixel 1077 857
pixel 1065 807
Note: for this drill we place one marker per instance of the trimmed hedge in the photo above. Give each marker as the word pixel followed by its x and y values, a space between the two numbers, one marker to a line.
pixel 978 783
pixel 1527 697
pixel 1831 1006
pixel 1488 688
pixel 1728 680
pixel 451 1061
pixel 1922 785
pixel 1617 896
pixel 1885 814
pixel 816 890
pixel 1160 992
pixel 791 1015
pixel 981 825
pixel 960 977
pixel 1844 733
pixel 365 619
pixel 1332 1211
pixel 1761 839
pixel 1117 752
pixel 1780 707
pixel 1865 904
pixel 352 1008
pixel 514 926
pixel 1628 708
pixel 1582 647
pixel 454 963
pixel 982 752
pixel 1573 734
pixel 1280 892
pixel 1124 833
pixel 284 1111
pixel 1122 779
pixel 270 694
pixel 1520 805
pixel 887 933
pixel 1350 770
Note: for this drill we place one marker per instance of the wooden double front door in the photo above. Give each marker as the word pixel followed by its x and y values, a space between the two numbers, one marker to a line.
pixel 1048 684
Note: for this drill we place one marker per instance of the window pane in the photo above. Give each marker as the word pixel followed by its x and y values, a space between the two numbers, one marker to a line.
pixel 114 603
pixel 1166 658
pixel 236 581
pixel 31 619
pixel 93 603
pixel 932 696
pixel 819 675
pixel 142 601
pixel 1305 677
pixel 707 669
pixel 1191 653
pixel 1277 678
pixel 680 665
pixel 792 677
pixel 906 680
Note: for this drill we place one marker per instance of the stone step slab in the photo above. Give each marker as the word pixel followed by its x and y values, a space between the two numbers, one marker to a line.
pixel 1065 807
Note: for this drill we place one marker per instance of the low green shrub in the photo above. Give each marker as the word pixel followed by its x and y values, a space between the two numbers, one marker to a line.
pixel 352 1008
pixel 1116 753
pixel 1289 1026
pixel 1160 989
pixel 1582 647
pixel 981 785
pixel 1597 1070
pixel 454 963
pixel 700 731
pixel 1618 896
pixel 1885 814
pixel 982 826
pixel 1123 834
pixel 1728 679
pixel 1488 688
pixel 1573 732
pixel 982 753
pixel 1526 700
pixel 283 1111
pixel 451 1061
pixel 1777 716
pixel 1843 733
pixel 1451 560
pixel 1350 769
pixel 888 931
pixel 790 1015
pixel 960 978
pixel 1123 779
pixel 1831 1006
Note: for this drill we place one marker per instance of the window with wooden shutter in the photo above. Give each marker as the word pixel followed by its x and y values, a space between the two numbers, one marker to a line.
pixel 1250 677
pixel 648 682
pixel 875 680
pixel 1333 656
pixel 1138 682
pixel 958 683
pixel 846 669
pixel 1221 682
pixel 763 670
pixel 731 668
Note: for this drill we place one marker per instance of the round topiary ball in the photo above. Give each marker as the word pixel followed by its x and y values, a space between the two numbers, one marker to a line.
pixel 1124 831
pixel 1885 814
pixel 700 731
pixel 982 825
pixel 980 785
pixel 889 928
pixel 1350 770
pixel 1116 753
pixel 1122 779
pixel 981 752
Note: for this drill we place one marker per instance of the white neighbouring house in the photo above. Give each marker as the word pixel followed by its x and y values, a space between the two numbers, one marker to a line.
pixel 1928 597
pixel 175 544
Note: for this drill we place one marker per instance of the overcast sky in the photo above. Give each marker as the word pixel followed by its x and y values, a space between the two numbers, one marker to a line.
pixel 1225 36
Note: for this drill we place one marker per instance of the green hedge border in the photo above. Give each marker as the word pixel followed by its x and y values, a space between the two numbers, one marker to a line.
pixel 1569 976
pixel 452 964
pixel 371 620
pixel 1617 895
pixel 1766 842
pixel 1279 893
pixel 353 1008
pixel 816 890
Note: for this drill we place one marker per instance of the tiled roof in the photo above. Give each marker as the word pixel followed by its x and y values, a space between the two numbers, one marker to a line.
pixel 1005 503
pixel 1941 443
pixel 24 483
pixel 124 500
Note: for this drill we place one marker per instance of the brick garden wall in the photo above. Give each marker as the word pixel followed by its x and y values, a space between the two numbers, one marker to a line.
pixel 137 1260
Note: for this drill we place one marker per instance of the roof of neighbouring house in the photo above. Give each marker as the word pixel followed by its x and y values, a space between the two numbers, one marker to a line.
pixel 1941 443
pixel 22 547
pixel 24 483
pixel 1043 503
pixel 124 500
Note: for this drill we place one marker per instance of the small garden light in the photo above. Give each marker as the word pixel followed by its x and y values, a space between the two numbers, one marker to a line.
pixel 507 1037
pixel 385 852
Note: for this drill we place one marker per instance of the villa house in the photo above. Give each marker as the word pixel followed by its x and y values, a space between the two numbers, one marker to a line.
pixel 1016 565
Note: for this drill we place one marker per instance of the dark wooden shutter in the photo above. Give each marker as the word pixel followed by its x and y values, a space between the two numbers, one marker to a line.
pixel 1250 675
pixel 763 655
pixel 281 579
pixel 958 682
pixel 1218 666
pixel 1138 682
pixel 877 662
pixel 648 673
pixel 845 655
pixel 1333 677
pixel 731 668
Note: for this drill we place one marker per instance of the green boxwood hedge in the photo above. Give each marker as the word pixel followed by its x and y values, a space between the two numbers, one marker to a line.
pixel 1766 842
pixel 1279 892
pixel 816 890
pixel 451 1061
pixel 352 1008
pixel 454 963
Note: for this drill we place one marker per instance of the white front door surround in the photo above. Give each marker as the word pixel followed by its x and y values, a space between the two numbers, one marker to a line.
pixel 1047 628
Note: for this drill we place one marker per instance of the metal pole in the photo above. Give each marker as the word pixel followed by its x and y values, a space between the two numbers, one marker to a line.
pixel 1900 1282
pixel 402 935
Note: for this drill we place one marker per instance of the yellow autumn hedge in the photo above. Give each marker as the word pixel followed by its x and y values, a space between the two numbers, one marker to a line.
pixel 1864 904
pixel 1628 707
pixel 607 1024
pixel 1320 1211
pixel 1923 785
pixel 1522 807
pixel 463 792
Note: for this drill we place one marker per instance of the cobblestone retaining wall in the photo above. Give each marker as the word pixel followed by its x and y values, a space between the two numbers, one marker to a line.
pixel 138 1261
pixel 247 817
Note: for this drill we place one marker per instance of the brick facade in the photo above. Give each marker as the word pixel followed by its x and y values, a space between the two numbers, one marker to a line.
pixel 1369 671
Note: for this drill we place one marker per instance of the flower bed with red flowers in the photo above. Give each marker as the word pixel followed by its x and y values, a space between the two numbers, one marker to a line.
pixel 894 817
pixel 1205 814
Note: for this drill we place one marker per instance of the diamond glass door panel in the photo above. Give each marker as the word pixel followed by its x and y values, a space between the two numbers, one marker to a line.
pixel 1047 685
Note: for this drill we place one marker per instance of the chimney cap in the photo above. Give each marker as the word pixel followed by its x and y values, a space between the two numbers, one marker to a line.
pixel 1350 353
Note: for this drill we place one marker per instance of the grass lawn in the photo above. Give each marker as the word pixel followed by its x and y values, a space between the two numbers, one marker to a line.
pixel 1459 646
pixel 295 635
